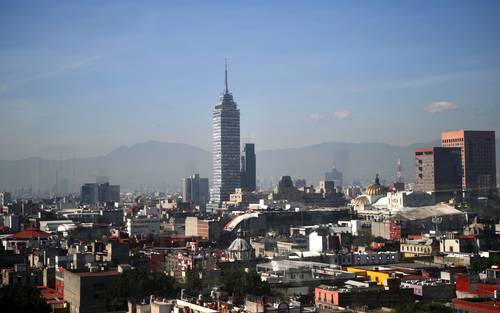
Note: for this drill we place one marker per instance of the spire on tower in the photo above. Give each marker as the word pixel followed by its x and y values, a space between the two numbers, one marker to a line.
pixel 226 91
pixel 399 171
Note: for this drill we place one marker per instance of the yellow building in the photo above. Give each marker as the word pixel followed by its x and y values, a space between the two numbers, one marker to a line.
pixel 380 277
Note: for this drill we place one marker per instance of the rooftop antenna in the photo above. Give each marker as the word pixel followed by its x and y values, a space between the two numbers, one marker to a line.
pixel 226 91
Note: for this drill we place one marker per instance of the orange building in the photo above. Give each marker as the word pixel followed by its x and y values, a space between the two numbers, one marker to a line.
pixel 478 159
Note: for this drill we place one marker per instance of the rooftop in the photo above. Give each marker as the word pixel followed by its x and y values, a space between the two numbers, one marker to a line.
pixel 50 295
pixel 96 274
pixel 30 233
pixel 281 265
pixel 426 212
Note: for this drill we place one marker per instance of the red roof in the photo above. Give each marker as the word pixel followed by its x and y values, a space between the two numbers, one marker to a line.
pixel 466 237
pixel 30 233
pixel 51 296
pixel 473 306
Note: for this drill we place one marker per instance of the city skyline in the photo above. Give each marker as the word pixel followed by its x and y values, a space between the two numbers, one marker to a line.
pixel 283 156
pixel 75 94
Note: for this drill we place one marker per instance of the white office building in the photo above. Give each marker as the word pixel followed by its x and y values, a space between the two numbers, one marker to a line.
pixel 226 147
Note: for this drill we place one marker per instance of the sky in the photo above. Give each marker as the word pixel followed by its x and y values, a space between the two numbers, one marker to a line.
pixel 81 78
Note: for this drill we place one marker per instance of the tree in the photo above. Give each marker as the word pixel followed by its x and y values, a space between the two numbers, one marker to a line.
pixel 480 264
pixel 238 283
pixel 22 298
pixel 423 307
pixel 138 284
pixel 193 283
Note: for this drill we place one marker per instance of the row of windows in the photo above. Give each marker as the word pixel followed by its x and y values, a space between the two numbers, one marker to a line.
pixel 453 140
pixel 414 249
pixel 387 257
pixel 322 297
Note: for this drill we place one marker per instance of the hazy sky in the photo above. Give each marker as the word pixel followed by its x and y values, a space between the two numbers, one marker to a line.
pixel 80 78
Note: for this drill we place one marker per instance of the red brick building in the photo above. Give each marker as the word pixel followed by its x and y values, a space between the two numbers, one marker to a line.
pixel 478 158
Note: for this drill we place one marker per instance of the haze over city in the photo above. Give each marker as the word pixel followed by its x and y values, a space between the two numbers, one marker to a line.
pixel 249 157
pixel 81 79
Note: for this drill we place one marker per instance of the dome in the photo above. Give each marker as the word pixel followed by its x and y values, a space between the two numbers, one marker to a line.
pixel 239 244
pixel 361 200
pixel 240 249
pixel 376 189
pixel 382 202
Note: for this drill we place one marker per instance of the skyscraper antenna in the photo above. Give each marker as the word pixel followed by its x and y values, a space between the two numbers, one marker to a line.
pixel 225 72
pixel 399 171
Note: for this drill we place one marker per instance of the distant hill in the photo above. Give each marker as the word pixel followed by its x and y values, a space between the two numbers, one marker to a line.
pixel 358 161
pixel 141 166
pixel 153 165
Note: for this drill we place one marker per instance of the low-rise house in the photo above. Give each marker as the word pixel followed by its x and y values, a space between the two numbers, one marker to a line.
pixel 362 294
pixel 143 226
pixel 473 286
pixel 431 289
pixel 85 291
pixel 22 274
pixel 299 277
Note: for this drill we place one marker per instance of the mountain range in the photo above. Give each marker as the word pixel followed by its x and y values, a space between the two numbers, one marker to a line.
pixel 156 165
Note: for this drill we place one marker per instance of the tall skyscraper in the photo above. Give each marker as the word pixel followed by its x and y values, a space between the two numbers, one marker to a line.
pixel 478 159
pixel 226 147
pixel 438 170
pixel 336 176
pixel 399 172
pixel 248 168
pixel 399 184
pixel 195 190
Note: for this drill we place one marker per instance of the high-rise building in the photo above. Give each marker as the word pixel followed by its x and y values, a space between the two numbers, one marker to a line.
pixel 326 188
pixel 7 198
pixel 248 168
pixel 438 170
pixel 478 159
pixel 109 193
pixel 93 193
pixel 399 184
pixel 335 176
pixel 89 193
pixel 195 190
pixel 226 147
pixel 399 172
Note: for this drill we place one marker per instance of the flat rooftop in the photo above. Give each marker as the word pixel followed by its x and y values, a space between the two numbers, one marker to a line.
pixel 113 272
